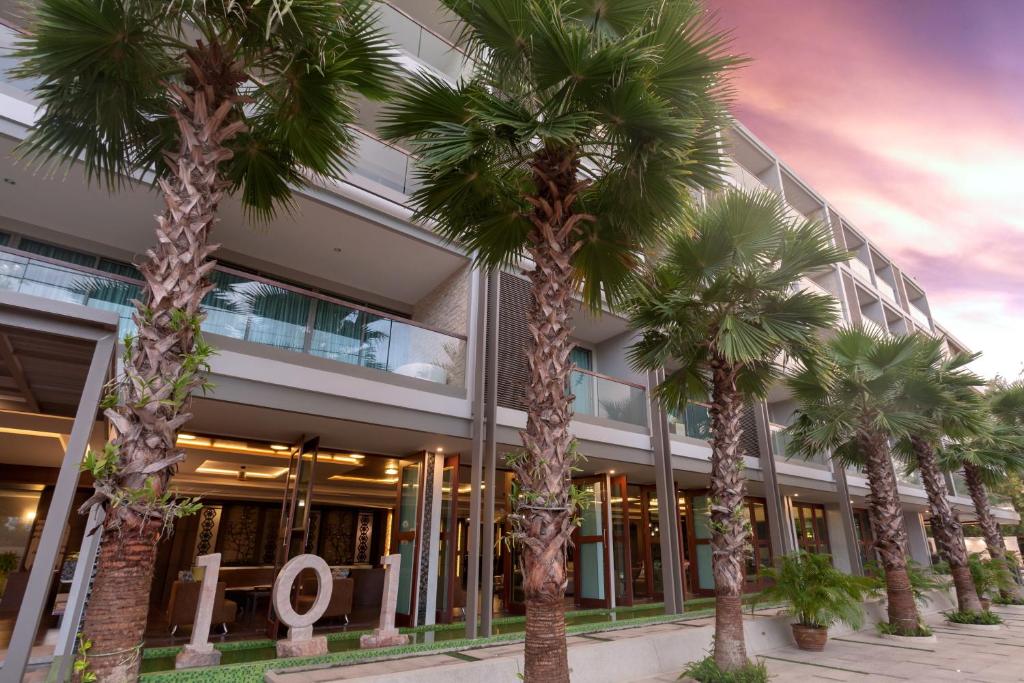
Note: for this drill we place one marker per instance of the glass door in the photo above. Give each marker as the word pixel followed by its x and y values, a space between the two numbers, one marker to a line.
pixel 621 541
pixel 404 540
pixel 810 526
pixel 591 559
pixel 449 546
pixel 760 556
pixel 293 528
pixel 507 553
pixel 702 580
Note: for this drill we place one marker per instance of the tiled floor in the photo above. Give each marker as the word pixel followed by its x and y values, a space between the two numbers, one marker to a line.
pixel 959 655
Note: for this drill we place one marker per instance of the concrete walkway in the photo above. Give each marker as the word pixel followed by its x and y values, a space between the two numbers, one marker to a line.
pixel 959 655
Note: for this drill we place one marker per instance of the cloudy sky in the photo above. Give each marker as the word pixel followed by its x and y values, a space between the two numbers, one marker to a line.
pixel 908 117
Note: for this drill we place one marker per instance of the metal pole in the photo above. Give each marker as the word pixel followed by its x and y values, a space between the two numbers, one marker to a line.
pixel 668 506
pixel 34 603
pixel 490 453
pixel 476 463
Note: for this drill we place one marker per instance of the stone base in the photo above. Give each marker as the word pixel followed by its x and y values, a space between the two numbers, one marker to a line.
pixel 190 657
pixel 975 627
pixel 317 645
pixel 383 639
pixel 910 640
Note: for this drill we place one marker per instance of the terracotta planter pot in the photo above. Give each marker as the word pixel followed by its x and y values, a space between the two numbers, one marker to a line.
pixel 809 637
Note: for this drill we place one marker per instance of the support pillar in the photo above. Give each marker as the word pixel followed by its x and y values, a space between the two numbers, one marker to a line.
pixel 846 512
pixel 34 603
pixel 476 462
pixel 668 506
pixel 774 506
pixel 490 454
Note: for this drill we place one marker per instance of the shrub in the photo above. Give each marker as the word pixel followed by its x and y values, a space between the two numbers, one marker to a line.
pixel 706 671
pixel 922 581
pixel 990 576
pixel 818 594
pixel 985 618
pixel 1012 600
pixel 888 629
pixel 8 562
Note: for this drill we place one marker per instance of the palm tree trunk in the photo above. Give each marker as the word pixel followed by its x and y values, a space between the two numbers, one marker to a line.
pixel 162 368
pixel 728 525
pixel 887 524
pixel 949 535
pixel 989 528
pixel 544 512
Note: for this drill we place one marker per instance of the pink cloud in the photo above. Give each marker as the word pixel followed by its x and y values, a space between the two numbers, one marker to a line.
pixel 906 118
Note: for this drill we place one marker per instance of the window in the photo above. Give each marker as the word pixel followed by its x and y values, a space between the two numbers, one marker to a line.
pixel 581 384
pixel 60 253
pixel 810 526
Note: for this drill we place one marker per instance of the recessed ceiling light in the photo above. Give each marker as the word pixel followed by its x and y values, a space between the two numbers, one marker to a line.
pixel 796 495
pixel 611 471
pixel 391 471
pixel 278 447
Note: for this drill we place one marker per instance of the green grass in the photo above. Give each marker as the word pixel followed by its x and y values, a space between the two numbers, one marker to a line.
pixel 885 628
pixel 974 618
pixel 706 671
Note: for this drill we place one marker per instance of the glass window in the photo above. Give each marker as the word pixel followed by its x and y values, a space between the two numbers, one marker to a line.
pixel 119 268
pixel 60 253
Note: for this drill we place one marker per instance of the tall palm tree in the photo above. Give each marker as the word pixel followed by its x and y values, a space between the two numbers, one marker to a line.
pixel 986 460
pixel 580 132
pixel 946 394
pixel 210 99
pixel 719 309
pixel 853 404
pixel 1006 401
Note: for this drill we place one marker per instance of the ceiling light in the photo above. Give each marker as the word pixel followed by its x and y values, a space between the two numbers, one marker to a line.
pixel 187 437
pixel 279 447
pixel 356 456
pixel 611 471
pixel 367 480
pixel 391 470
pixel 796 495
pixel 440 450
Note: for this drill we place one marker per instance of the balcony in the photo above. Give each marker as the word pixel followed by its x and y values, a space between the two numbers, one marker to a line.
pixel 860 269
pixel 427 48
pixel 608 398
pixel 743 179
pixel 252 309
pixel 693 422
pixel 885 289
pixel 781 450
pixel 920 317
pixel 873 327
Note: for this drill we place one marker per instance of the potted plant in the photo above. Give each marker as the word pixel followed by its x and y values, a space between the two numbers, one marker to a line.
pixel 818 594
pixel 8 563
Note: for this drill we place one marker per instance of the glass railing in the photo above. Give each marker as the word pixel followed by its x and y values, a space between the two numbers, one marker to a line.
pixel 912 479
pixel 244 307
pixel 8 85
pixel 920 317
pixel 885 289
pixel 694 422
pixel 959 485
pixel 608 398
pixel 426 47
pixel 872 326
pixel 382 164
pixel 781 450
pixel 744 179
pixel 860 268
pixel 999 500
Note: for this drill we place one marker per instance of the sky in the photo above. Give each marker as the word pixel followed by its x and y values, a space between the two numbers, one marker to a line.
pixel 908 117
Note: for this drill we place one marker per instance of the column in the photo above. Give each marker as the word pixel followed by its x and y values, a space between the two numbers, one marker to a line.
pixel 917 540
pixel 490 454
pixel 668 507
pixel 778 518
pixel 846 519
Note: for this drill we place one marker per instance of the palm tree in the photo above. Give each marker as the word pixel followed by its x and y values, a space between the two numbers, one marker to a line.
pixel 580 132
pixel 720 308
pixel 210 99
pixel 852 404
pixel 986 460
pixel 946 394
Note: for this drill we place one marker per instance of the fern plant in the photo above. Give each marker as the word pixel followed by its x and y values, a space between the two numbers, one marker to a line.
pixel 818 594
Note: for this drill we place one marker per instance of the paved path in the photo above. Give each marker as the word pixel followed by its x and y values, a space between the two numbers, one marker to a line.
pixel 959 655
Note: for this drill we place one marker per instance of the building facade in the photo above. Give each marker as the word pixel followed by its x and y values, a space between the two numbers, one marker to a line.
pixel 368 382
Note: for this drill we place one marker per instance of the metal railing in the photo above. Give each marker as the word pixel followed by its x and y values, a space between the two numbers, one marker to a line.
pixel 253 309
pixel 609 398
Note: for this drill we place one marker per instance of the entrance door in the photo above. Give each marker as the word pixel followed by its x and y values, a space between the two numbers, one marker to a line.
pixel 507 553
pixel 404 540
pixel 811 529
pixel 293 529
pixel 591 557
pixel 702 580
pixel 620 507
pixel 449 596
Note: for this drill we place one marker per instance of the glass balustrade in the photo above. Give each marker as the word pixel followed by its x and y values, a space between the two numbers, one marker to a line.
pixel 959 485
pixel 860 268
pixel 242 307
pixel 885 289
pixel 920 317
pixel 608 398
pixel 694 422
pixel 782 451
pixel 381 164
pixel 426 47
